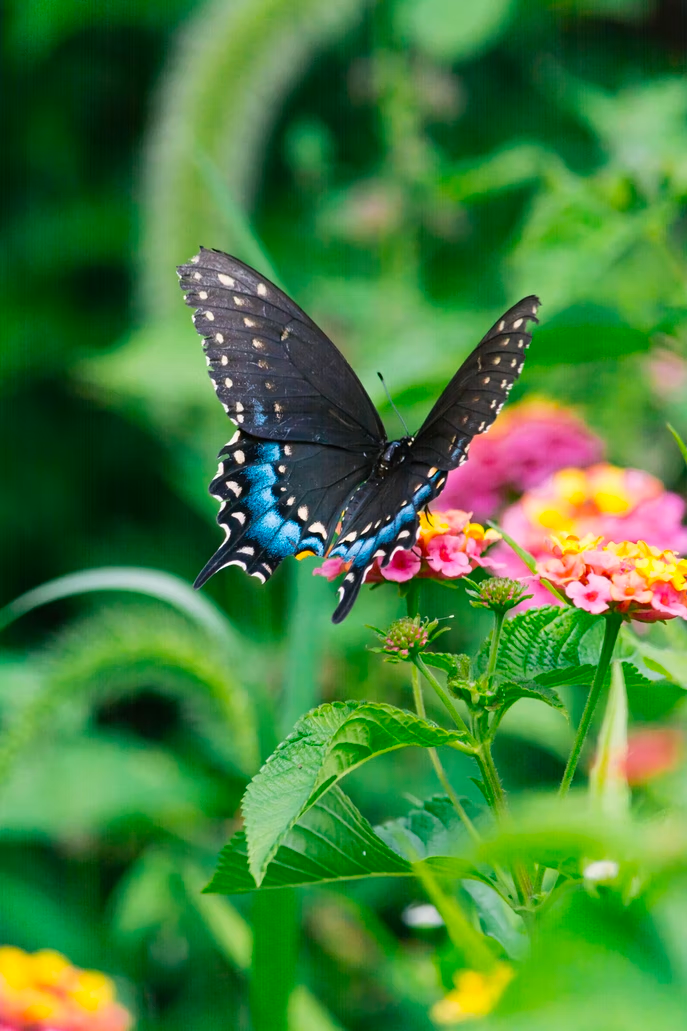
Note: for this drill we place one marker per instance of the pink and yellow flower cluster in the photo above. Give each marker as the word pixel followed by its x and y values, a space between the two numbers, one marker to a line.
pixel 603 500
pixel 526 444
pixel 637 579
pixel 42 991
pixel 449 546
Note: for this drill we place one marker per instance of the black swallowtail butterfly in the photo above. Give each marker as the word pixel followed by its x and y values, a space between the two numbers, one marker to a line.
pixel 309 443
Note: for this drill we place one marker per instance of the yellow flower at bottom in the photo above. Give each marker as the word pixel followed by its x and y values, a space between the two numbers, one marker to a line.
pixel 475 995
pixel 92 991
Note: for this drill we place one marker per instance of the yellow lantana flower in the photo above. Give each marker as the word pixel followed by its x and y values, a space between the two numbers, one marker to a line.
pixel 475 995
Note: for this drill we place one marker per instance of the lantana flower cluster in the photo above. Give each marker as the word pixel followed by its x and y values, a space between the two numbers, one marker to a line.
pixel 637 579
pixel 449 546
pixel 605 500
pixel 527 443
pixel 42 991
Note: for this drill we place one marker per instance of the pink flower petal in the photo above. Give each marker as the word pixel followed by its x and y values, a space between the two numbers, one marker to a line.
pixel 592 596
pixel 446 555
pixel 404 565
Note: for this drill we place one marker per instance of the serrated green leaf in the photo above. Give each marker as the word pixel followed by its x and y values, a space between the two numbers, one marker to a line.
pixel 432 830
pixel 540 640
pixel 441 660
pixel 331 842
pixel 512 691
pixel 324 746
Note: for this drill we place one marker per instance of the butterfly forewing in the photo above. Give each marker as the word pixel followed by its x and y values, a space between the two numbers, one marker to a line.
pixel 276 373
pixel 477 392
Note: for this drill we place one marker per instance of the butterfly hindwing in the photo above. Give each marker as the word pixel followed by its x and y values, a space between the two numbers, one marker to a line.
pixel 276 373
pixel 278 499
pixel 382 518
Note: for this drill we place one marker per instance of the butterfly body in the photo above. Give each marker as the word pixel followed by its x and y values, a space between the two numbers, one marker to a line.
pixel 309 443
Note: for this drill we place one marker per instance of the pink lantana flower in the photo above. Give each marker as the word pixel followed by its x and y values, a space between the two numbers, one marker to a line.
pixel 446 555
pixel 640 581
pixel 448 546
pixel 592 596
pixel 404 565
pixel 603 500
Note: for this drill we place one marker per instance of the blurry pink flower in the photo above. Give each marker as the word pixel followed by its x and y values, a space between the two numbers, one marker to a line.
pixel 653 751
pixel 667 372
pixel 526 444
pixel 404 565
pixel 606 500
pixel 592 596
pixel 445 555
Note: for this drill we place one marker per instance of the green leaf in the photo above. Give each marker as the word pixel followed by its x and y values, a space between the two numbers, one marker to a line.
pixel 443 661
pixel 432 830
pixel 498 919
pixel 584 331
pixel 512 691
pixel 331 842
pixel 324 746
pixel 164 586
pixel 539 641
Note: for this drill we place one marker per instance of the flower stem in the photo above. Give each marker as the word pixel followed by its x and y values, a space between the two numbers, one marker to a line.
pixel 495 640
pixel 443 694
pixel 437 764
pixel 612 628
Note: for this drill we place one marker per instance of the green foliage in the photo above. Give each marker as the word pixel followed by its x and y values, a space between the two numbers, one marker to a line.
pixel 324 746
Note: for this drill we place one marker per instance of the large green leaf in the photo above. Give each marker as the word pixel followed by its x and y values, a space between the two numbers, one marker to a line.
pixel 331 842
pixel 325 744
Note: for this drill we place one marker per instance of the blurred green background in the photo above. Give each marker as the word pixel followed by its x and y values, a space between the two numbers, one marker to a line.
pixel 410 168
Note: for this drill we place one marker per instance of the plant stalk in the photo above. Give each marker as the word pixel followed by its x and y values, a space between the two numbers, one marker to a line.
pixel 613 623
pixel 438 766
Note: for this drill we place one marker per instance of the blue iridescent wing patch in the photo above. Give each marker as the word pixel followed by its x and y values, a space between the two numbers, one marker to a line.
pixel 277 500
pixel 382 518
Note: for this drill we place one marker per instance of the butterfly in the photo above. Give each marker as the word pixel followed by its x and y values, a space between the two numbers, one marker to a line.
pixel 309 470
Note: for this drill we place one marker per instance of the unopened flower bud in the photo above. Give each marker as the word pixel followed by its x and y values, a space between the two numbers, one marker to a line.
pixel 407 635
pixel 498 593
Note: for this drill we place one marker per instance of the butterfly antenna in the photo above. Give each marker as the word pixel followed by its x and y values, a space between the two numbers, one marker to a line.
pixel 391 402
